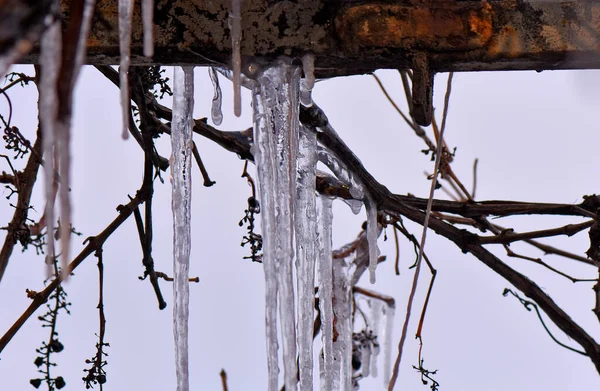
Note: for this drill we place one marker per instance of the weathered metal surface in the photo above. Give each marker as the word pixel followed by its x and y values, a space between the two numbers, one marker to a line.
pixel 197 31
pixel 445 26
pixel 350 37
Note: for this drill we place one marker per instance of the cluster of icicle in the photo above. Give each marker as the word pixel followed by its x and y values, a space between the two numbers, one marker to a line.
pixel 293 215
pixel 286 156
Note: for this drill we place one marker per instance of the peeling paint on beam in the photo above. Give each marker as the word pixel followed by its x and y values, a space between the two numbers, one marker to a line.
pixel 357 36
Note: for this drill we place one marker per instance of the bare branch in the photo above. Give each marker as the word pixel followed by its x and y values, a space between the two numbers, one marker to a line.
pixel 94 243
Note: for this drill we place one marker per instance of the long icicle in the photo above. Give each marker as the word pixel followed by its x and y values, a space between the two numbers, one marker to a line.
pixel 324 219
pixel 265 167
pixel 305 225
pixel 50 53
pixel 181 157
pixel 125 20
pixel 62 128
pixel 277 113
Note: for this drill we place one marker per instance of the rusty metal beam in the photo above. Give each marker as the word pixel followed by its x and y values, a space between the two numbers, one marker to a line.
pixel 357 36
pixel 351 37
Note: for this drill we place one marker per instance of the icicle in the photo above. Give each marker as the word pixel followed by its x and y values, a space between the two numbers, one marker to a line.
pixel 324 220
pixel 387 344
pixel 263 158
pixel 50 59
pixel 372 234
pixel 181 157
pixel 215 112
pixel 125 17
pixel 86 23
pixel 62 140
pixel 276 111
pixel 376 310
pixel 307 84
pixel 236 56
pixel 355 205
pixel 342 309
pixel 148 24
pixel 305 226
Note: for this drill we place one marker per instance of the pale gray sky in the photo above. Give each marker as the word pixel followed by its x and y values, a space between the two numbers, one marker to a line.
pixel 536 136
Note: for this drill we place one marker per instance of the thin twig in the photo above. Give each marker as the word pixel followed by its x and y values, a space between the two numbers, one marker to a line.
pixel 207 181
pixel 407 89
pixel 419 131
pixel 507 236
pixel 475 163
pixel 224 379
pixel 397 260
pixel 547 249
pixel 438 160
pixel 388 300
pixel 527 304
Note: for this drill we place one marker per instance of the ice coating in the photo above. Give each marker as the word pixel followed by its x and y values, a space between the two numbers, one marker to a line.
pixel 125 16
pixel 181 163
pixel 236 55
pixel 50 59
pixel 148 24
pixel 342 173
pixel 245 81
pixel 324 244
pixel 306 230
pixel 276 127
pixel 372 234
pixel 215 112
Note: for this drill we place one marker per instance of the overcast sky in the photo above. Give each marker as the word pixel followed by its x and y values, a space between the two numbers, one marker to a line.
pixel 536 137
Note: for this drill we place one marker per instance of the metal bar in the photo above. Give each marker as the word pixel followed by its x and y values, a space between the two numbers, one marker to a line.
pixel 353 37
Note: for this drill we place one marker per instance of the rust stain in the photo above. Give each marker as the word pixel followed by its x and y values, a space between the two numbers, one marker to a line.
pixel 480 24
pixel 442 27
pixel 507 43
